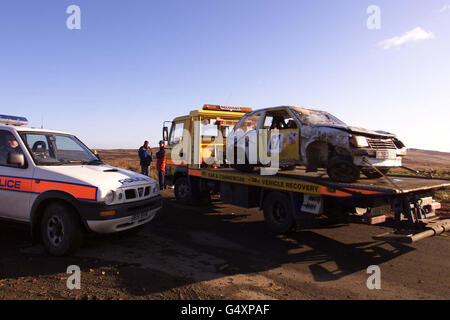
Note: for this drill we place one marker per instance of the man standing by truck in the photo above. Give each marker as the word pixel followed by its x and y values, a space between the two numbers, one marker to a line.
pixel 161 164
pixel 145 157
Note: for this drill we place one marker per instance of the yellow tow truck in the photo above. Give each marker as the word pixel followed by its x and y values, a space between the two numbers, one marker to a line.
pixel 198 140
pixel 197 166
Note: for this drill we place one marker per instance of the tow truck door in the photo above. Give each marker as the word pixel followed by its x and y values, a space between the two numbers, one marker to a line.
pixel 177 149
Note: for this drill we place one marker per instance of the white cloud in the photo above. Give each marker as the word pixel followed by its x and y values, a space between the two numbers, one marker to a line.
pixel 445 8
pixel 416 34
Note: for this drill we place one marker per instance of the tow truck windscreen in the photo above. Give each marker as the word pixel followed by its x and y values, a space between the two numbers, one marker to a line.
pixel 49 149
pixel 316 117
pixel 208 130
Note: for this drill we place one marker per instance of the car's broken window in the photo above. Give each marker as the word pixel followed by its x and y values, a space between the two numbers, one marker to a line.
pixel 279 120
pixel 316 117
pixel 250 122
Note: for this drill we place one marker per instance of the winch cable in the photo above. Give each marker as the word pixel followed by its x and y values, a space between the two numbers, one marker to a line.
pixel 382 174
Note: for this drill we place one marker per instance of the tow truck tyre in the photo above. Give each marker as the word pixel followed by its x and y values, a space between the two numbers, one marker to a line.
pixel 278 212
pixel 373 174
pixel 61 230
pixel 182 190
pixel 341 169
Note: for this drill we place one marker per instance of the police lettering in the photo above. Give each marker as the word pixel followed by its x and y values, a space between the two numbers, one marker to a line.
pixel 7 183
pixel 130 180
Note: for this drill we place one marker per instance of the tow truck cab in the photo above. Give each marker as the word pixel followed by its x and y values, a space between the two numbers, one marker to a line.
pixel 52 181
pixel 198 140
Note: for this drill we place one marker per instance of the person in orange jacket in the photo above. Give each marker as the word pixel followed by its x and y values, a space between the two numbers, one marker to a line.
pixel 161 164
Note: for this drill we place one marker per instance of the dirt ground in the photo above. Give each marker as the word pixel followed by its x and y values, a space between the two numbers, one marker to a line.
pixel 226 252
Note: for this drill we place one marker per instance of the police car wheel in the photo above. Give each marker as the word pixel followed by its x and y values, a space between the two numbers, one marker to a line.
pixel 61 230
pixel 182 190
pixel 278 212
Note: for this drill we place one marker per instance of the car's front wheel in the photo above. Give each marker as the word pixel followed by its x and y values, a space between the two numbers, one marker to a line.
pixel 342 169
pixel 61 230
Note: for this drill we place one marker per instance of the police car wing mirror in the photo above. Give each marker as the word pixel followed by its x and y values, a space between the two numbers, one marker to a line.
pixel 96 154
pixel 165 133
pixel 16 159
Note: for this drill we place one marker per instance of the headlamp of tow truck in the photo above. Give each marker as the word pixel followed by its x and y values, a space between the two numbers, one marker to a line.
pixel 109 197
pixel 360 142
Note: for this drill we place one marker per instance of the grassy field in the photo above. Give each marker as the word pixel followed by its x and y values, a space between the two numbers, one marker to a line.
pixel 127 159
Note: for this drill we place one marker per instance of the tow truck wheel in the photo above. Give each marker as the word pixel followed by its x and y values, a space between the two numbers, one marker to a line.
pixel 373 174
pixel 341 169
pixel 61 230
pixel 278 212
pixel 182 190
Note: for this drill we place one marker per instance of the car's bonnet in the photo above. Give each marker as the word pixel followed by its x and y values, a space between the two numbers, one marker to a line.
pixel 101 176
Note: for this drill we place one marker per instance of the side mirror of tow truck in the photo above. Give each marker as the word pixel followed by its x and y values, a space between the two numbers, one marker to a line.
pixel 165 134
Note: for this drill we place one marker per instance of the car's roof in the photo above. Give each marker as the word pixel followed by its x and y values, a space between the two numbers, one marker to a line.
pixel 28 129
pixel 302 109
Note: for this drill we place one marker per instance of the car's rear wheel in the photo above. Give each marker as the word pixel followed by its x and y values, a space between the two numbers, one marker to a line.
pixel 288 168
pixel 61 230
pixel 244 167
pixel 373 174
pixel 342 169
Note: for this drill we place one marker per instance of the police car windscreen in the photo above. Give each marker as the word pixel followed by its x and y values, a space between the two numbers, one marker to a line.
pixel 57 149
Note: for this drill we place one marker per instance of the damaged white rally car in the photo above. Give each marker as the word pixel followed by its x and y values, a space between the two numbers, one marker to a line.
pixel 315 139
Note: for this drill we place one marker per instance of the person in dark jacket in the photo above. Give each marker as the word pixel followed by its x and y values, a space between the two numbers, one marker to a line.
pixel 8 144
pixel 161 164
pixel 145 157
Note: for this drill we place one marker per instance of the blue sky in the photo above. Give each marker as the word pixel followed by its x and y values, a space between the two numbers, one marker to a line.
pixel 134 64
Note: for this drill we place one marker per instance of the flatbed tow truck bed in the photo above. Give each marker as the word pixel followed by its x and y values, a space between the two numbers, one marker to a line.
pixel 314 182
pixel 289 196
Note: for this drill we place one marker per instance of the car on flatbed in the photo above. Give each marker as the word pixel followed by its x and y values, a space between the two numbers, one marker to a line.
pixel 287 197
pixel 315 139
pixel 50 180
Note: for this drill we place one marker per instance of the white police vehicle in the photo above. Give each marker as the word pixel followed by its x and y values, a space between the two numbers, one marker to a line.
pixel 52 181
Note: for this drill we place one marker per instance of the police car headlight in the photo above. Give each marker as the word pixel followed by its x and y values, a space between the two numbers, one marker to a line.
pixel 109 197
pixel 155 190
